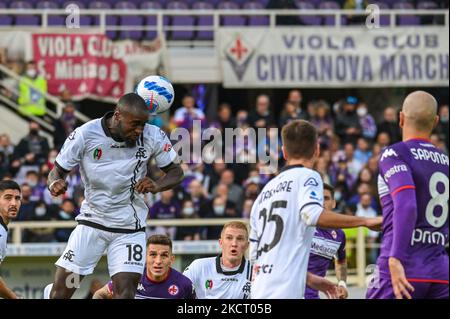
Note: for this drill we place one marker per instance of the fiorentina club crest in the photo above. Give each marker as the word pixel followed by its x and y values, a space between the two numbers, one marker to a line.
pixel 239 53
pixel 173 290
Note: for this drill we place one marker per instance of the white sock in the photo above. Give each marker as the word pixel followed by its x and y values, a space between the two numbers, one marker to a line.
pixel 47 291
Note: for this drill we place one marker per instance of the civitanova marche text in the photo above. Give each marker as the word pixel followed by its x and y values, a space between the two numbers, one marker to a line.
pixel 234 145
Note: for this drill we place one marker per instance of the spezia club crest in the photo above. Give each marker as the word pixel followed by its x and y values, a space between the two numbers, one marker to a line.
pixel 239 53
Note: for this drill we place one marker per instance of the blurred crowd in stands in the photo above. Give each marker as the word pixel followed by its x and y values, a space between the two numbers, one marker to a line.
pixel 351 141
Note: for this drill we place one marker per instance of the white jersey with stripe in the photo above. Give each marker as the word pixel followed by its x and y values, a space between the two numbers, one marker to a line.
pixel 110 170
pixel 282 221
pixel 3 240
pixel 211 281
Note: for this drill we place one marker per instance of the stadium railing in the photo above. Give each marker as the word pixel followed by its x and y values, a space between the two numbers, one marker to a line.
pixel 18 248
pixel 217 15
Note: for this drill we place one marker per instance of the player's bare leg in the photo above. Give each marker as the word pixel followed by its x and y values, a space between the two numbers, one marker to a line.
pixel 125 285
pixel 66 283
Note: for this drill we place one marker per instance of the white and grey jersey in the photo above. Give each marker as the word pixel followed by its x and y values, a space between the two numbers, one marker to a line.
pixel 211 281
pixel 110 170
pixel 282 221
pixel 3 240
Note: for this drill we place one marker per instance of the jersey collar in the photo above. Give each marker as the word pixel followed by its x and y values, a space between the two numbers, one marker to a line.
pixel 290 167
pixel 3 224
pixel 104 126
pixel 229 273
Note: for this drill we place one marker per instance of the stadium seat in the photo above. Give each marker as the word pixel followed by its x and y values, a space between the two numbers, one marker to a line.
pixel 384 18
pixel 181 21
pixel 47 5
pixel 231 20
pixel 256 20
pixel 406 19
pixel 427 5
pixel 129 20
pixel 5 20
pixel 110 20
pixel 330 19
pixel 204 20
pixel 308 19
pixel 24 19
pixel 149 19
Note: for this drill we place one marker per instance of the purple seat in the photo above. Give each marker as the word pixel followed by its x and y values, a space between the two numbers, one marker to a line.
pixel 47 5
pixel 231 20
pixel 5 19
pixel 129 20
pixel 204 20
pixel 150 20
pixel 180 21
pixel 80 4
pixel 330 19
pixel 427 5
pixel 20 5
pixel 110 20
pixel 384 18
pixel 258 20
pixel 406 19
pixel 308 19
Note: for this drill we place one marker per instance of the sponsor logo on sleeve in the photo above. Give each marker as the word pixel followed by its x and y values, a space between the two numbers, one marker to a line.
pixel 311 182
pixel 388 153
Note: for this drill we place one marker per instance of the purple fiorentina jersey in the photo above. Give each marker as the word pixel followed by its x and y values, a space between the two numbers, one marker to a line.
pixel 176 286
pixel 413 187
pixel 326 245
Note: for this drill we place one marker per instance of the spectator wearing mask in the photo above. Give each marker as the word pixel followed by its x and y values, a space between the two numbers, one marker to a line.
pixel 32 99
pixel 188 232
pixel 32 147
pixel 65 125
pixel 390 125
pixel 39 235
pixel 37 188
pixel 27 208
pixel 262 116
pixel 198 195
pixel 219 208
pixel 166 208
pixel 348 127
pixel 235 192
pixel 66 212
pixel 367 122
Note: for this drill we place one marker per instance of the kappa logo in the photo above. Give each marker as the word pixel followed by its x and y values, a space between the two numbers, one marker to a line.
pixel 311 182
pixel 173 290
pixel 239 53
pixel 387 153
pixel 140 287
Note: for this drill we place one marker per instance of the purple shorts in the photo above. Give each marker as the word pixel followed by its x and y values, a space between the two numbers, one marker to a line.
pixel 422 290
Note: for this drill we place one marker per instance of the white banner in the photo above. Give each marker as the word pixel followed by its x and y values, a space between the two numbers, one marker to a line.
pixel 326 57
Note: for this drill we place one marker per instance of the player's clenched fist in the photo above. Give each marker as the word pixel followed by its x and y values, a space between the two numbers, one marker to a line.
pixel 58 187
pixel 146 185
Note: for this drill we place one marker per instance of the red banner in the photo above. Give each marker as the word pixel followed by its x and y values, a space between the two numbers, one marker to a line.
pixel 86 64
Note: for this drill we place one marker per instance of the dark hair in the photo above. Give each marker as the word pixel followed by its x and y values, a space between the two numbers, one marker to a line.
pixel 132 102
pixel 329 188
pixel 9 184
pixel 299 139
pixel 160 240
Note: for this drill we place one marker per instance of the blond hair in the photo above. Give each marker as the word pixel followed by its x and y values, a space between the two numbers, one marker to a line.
pixel 235 224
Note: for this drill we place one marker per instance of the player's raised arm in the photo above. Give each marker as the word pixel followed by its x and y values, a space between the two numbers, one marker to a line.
pixel 329 219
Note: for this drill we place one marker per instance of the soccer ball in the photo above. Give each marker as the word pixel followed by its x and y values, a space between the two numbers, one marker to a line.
pixel 158 93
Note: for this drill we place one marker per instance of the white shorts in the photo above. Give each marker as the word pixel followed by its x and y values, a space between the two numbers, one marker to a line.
pixel 86 245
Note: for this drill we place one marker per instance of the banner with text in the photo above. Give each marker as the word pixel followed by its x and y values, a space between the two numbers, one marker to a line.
pixel 91 65
pixel 325 57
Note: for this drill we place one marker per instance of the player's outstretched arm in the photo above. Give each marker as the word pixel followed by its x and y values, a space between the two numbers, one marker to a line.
pixel 341 275
pixel 5 292
pixel 330 219
pixel 56 181
pixel 322 284
pixel 102 293
pixel 173 176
